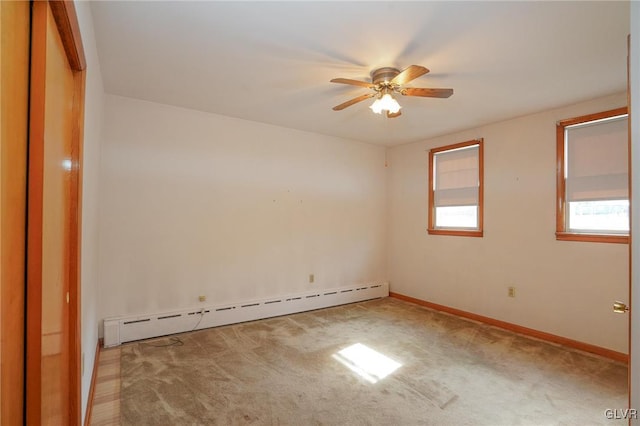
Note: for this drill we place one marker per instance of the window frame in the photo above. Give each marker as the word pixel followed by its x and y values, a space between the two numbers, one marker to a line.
pixel 460 232
pixel 562 234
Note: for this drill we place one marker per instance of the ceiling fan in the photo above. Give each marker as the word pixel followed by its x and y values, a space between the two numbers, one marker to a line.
pixel 388 80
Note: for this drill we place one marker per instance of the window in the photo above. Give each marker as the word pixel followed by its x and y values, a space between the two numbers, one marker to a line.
pixel 455 189
pixel 592 178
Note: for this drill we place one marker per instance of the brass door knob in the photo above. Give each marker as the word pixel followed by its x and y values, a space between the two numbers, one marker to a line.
pixel 619 307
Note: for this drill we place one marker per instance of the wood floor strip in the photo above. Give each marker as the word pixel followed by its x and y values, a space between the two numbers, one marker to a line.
pixel 586 347
pixel 106 399
pixel 92 387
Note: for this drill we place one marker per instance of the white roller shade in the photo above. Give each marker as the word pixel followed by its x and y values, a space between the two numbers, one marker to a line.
pixel 597 167
pixel 456 177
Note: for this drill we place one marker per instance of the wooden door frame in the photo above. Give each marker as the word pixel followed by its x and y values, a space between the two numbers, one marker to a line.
pixel 66 20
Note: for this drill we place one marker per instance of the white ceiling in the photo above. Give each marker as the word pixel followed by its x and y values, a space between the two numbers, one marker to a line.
pixel 271 62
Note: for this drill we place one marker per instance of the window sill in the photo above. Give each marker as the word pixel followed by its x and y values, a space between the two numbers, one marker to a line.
pixel 592 238
pixel 455 232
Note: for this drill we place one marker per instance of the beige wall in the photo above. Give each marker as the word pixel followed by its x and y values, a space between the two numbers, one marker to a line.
pixel 91 163
pixel 201 204
pixel 195 203
pixel 564 288
pixel 635 220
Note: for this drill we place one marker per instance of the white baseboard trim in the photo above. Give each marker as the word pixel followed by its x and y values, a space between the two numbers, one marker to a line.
pixel 124 329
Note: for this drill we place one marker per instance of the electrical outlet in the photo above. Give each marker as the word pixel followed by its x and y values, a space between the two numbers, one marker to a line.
pixel 511 292
pixel 311 278
pixel 202 298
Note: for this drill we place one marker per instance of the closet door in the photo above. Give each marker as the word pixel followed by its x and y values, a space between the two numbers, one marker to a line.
pixel 14 113
pixel 55 122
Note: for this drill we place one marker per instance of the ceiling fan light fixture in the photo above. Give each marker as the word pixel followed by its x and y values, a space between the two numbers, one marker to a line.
pixel 384 82
pixel 385 103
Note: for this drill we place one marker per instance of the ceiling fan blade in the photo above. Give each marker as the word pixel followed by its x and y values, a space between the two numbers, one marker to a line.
pixel 393 115
pixel 427 93
pixel 353 101
pixel 352 82
pixel 408 74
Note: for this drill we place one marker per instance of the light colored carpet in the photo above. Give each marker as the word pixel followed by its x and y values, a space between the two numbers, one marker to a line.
pixel 288 370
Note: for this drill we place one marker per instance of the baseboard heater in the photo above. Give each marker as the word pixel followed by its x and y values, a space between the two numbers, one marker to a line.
pixel 124 329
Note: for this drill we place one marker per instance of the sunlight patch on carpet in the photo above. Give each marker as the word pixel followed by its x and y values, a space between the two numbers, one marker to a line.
pixel 369 364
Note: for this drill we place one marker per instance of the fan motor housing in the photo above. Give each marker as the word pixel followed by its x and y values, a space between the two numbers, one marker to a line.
pixel 382 75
